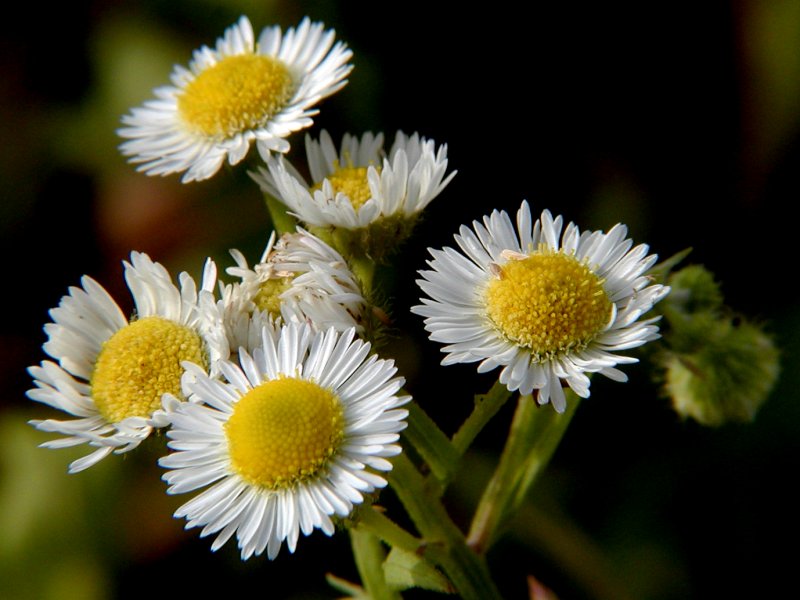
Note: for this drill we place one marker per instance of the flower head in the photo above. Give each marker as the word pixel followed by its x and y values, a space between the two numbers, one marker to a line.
pixel 242 91
pixel 298 279
pixel 359 187
pixel 294 435
pixel 112 373
pixel 545 306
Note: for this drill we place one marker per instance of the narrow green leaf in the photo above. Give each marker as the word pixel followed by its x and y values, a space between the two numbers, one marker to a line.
pixel 374 520
pixel 369 555
pixel 356 592
pixel 404 570
pixel 661 271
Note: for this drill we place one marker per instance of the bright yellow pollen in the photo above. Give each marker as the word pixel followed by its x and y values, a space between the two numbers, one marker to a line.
pixel 238 93
pixel 139 363
pixel 268 297
pixel 549 302
pixel 284 431
pixel 352 182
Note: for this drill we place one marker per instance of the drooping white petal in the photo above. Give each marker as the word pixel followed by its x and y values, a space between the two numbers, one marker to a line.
pixel 83 322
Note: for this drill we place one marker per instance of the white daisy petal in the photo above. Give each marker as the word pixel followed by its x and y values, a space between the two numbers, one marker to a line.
pixel 231 95
pixel 135 368
pixel 326 392
pixel 546 303
pixel 359 185
pixel 299 279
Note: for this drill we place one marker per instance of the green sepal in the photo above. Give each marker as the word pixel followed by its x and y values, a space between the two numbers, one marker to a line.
pixel 378 241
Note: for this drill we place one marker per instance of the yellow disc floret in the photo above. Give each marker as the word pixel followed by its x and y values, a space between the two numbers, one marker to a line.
pixel 548 302
pixel 140 363
pixel 268 297
pixel 350 181
pixel 284 431
pixel 238 93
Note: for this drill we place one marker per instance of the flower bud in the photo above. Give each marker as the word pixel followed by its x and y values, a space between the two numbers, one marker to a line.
pixel 727 378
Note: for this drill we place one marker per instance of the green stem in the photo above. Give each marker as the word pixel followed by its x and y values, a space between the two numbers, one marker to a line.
pixel 369 555
pixel 282 222
pixel 445 543
pixel 535 434
pixel 486 407
pixel 448 452
pixel 433 445
pixel 553 535
pixel 363 268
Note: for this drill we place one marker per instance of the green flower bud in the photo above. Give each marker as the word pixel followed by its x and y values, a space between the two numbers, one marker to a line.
pixel 694 290
pixel 727 378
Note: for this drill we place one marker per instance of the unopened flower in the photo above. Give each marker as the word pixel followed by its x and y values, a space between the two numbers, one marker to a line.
pixel 298 279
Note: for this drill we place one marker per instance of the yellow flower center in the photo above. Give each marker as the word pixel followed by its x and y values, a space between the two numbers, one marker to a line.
pixel 268 297
pixel 549 302
pixel 140 363
pixel 350 181
pixel 236 94
pixel 284 431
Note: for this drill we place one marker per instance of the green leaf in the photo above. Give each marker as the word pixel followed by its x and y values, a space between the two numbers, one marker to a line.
pixel 661 271
pixel 369 555
pixel 404 570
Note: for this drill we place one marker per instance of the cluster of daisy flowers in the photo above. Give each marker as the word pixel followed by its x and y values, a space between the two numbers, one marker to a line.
pixel 279 414
pixel 289 429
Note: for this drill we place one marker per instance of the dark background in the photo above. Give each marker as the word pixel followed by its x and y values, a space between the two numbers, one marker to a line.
pixel 681 120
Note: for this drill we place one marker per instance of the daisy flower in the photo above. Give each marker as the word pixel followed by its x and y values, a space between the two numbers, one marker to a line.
pixel 293 436
pixel 111 373
pixel 543 304
pixel 299 278
pixel 360 187
pixel 242 91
